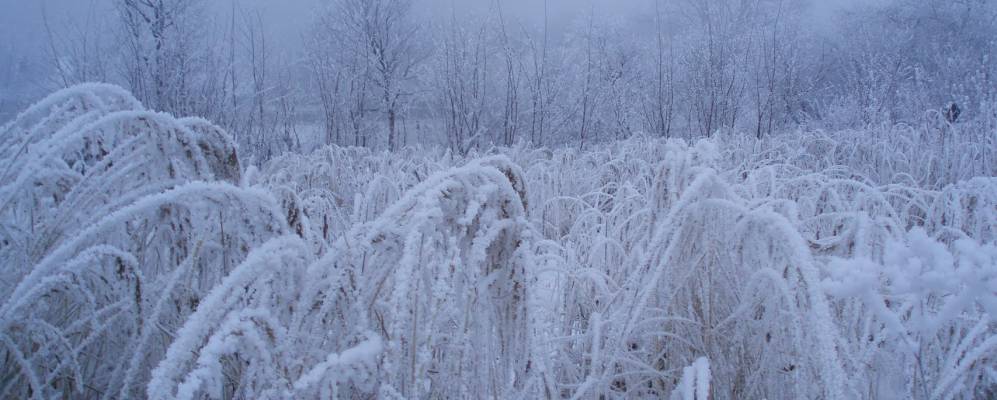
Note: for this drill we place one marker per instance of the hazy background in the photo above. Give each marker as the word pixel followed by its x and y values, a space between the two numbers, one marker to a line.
pixel 25 64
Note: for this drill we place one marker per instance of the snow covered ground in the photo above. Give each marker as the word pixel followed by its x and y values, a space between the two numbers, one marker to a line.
pixel 142 259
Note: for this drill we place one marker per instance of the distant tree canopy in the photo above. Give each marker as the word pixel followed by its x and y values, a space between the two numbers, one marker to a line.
pixel 373 74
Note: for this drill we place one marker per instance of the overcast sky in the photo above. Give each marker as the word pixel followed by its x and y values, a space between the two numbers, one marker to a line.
pixel 23 37
pixel 20 20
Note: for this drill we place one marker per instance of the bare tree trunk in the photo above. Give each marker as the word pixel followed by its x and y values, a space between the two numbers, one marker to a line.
pixel 392 134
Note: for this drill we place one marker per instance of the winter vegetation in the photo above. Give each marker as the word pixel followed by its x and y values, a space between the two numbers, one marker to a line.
pixel 722 204
pixel 143 260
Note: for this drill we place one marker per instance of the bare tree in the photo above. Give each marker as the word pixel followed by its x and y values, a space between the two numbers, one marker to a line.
pixel 717 80
pixel 155 31
pixel 588 103
pixel 386 41
pixel 510 114
pixel 329 80
pixel 538 83
pixel 340 62
pixel 663 99
pixel 460 71
pixel 81 50
pixel 604 100
pixel 255 43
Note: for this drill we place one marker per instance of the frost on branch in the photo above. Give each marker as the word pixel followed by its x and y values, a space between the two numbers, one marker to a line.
pixel 405 305
pixel 66 109
pixel 443 276
pixel 335 188
pixel 966 209
pixel 695 383
pixel 141 260
pixel 736 285
pixel 115 221
pixel 927 306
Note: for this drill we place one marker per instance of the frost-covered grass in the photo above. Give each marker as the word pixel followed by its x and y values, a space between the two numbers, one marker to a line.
pixel 142 260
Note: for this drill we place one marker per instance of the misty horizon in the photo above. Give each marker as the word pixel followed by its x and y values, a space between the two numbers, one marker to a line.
pixel 498 199
pixel 23 24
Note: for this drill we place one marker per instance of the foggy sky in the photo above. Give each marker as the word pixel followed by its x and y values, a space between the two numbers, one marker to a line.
pixel 23 38
pixel 21 20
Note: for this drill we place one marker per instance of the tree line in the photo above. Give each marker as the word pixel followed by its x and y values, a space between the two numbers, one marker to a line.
pixel 372 73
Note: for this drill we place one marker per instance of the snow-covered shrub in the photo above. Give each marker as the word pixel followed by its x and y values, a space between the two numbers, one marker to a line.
pixel 245 341
pixel 116 221
pixel 920 322
pixel 405 305
pixel 733 284
pixel 695 382
pixel 337 188
pixel 140 260
pixel 444 276
pixel 966 209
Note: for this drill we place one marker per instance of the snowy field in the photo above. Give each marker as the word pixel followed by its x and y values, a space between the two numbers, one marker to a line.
pixel 142 258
